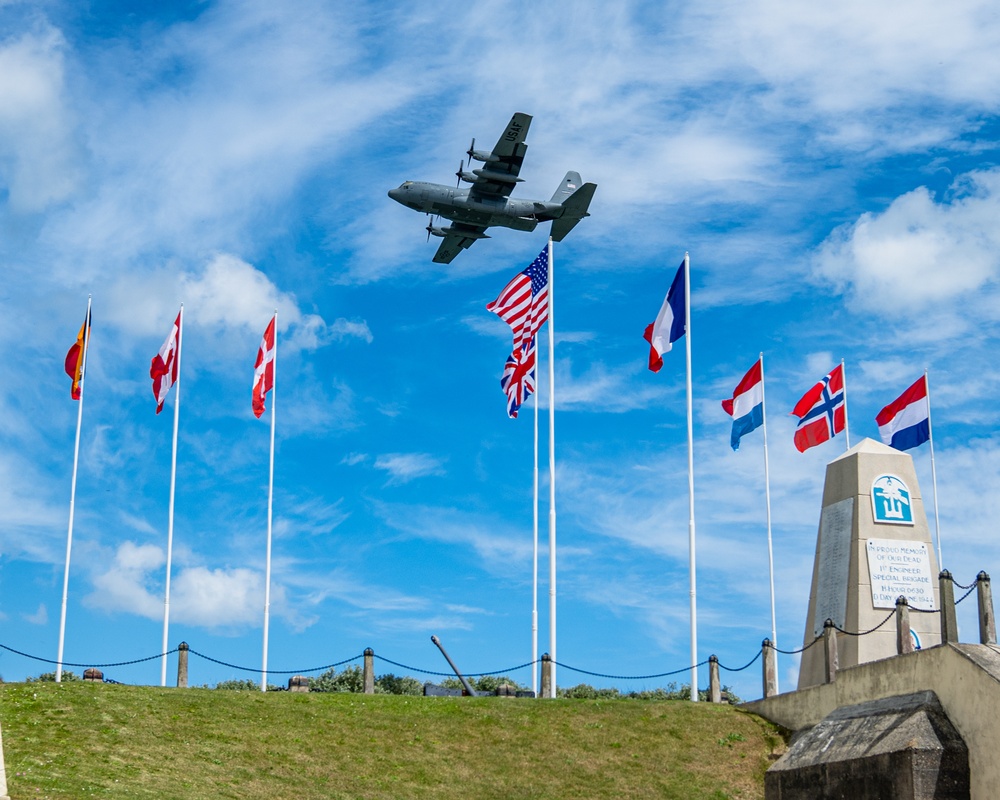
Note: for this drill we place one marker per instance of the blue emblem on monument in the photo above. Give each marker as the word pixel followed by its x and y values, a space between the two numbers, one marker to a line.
pixel 891 500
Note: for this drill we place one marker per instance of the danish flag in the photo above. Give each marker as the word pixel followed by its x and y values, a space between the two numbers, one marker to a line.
pixel 263 370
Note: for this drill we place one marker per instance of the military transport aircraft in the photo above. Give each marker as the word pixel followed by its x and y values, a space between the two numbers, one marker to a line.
pixel 487 202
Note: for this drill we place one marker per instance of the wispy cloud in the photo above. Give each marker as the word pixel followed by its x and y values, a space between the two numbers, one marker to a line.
pixel 405 467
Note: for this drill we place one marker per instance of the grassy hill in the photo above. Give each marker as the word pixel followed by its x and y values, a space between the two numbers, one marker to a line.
pixel 76 740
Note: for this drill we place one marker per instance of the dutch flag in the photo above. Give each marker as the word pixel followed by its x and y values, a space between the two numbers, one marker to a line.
pixel 905 422
pixel 747 404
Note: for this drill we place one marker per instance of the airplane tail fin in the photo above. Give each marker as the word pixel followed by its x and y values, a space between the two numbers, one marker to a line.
pixel 575 205
pixel 569 184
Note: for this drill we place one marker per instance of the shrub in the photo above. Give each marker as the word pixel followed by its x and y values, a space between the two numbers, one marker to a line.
pixel 585 691
pixel 391 684
pixel 244 685
pixel 351 679
pixel 47 677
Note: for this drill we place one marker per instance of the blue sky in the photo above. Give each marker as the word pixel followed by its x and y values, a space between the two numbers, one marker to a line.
pixel 833 173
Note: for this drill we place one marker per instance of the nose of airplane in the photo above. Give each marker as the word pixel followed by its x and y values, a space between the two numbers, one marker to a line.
pixel 397 194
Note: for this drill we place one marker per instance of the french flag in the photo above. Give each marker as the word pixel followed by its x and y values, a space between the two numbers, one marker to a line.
pixel 822 411
pixel 747 405
pixel 670 324
pixel 906 421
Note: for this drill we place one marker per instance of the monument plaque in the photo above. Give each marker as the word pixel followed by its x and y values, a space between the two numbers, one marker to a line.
pixel 897 567
pixel 834 563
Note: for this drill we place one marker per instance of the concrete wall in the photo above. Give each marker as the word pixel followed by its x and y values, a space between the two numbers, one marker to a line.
pixel 965 677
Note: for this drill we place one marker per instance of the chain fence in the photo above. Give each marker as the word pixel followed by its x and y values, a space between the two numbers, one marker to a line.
pixel 507 671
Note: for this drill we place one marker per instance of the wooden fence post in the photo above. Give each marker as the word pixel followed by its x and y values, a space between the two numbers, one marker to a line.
pixel 714 687
pixel 949 619
pixel 904 641
pixel 546 675
pixel 832 661
pixel 987 623
pixel 369 671
pixel 182 665
pixel 770 669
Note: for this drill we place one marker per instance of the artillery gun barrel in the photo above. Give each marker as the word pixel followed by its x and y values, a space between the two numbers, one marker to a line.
pixel 468 689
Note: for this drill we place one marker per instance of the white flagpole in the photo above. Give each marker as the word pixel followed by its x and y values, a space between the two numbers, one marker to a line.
pixel 552 474
pixel 170 513
pixel 72 496
pixel 534 550
pixel 691 530
pixel 767 502
pixel 270 506
pixel 930 435
pixel 847 428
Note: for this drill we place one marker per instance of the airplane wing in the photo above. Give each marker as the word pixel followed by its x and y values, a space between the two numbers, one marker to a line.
pixel 460 237
pixel 498 175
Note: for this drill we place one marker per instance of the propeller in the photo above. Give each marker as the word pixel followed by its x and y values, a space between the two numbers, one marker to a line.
pixel 461 169
pixel 471 150
pixel 430 226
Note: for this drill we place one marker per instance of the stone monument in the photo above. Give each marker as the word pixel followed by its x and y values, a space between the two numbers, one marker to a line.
pixel 873 545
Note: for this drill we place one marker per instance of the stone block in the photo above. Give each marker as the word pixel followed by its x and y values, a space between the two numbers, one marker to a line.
pixel 898 748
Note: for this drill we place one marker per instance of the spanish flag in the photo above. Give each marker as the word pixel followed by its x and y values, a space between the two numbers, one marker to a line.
pixel 75 357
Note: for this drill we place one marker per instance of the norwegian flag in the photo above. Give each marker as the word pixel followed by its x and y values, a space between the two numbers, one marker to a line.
pixel 523 303
pixel 518 381
pixel 165 364
pixel 822 411
pixel 263 369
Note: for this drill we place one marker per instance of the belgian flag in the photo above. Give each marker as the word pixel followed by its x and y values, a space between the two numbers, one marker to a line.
pixel 75 357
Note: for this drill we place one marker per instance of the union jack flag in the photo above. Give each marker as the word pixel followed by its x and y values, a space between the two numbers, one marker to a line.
pixel 523 303
pixel 518 381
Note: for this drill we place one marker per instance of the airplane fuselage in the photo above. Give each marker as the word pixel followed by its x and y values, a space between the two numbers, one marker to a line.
pixel 457 205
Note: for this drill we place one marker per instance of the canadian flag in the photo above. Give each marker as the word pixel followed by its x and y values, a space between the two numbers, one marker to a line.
pixel 163 369
pixel 263 370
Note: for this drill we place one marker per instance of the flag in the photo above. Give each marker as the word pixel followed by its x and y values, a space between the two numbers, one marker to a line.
pixel 74 358
pixel 821 411
pixel 905 422
pixel 747 406
pixel 263 369
pixel 163 367
pixel 670 324
pixel 518 381
pixel 523 303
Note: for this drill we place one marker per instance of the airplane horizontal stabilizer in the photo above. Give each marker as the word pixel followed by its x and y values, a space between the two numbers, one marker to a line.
pixel 574 209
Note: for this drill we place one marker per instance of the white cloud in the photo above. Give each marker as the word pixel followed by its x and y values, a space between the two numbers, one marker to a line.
pixel 122 586
pixel 405 467
pixel 38 157
pixel 40 617
pixel 210 598
pixel 919 252
pixel 602 389
pixel 228 300
pixel 856 55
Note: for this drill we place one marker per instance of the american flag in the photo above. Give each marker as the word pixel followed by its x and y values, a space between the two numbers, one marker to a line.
pixel 523 303
pixel 518 380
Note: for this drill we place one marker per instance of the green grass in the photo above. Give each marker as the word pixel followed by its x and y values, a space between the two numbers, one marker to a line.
pixel 77 740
